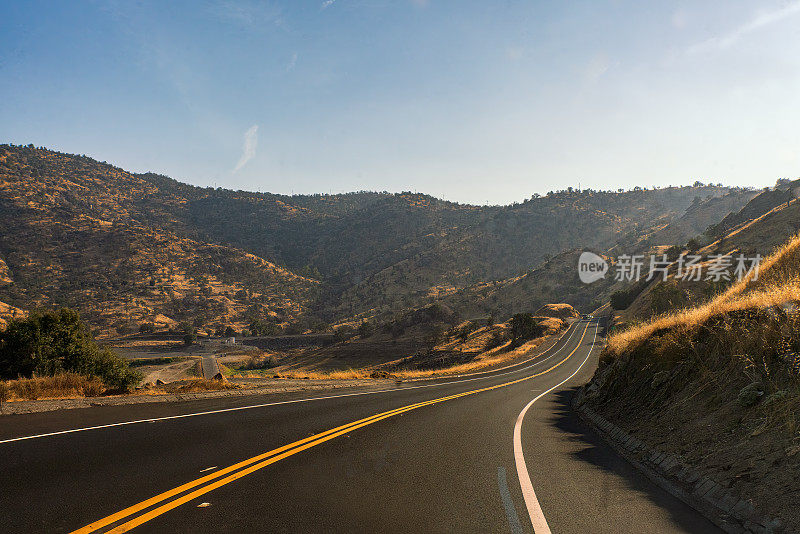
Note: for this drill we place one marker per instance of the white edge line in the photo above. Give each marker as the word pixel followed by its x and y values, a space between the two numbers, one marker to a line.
pixel 278 403
pixel 531 502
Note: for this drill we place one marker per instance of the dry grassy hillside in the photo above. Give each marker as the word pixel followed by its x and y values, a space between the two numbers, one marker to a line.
pixel 701 215
pixel 84 233
pixel 72 237
pixel 556 280
pixel 756 233
pixel 718 384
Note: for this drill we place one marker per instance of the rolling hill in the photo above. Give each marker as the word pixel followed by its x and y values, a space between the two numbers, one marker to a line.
pixel 128 248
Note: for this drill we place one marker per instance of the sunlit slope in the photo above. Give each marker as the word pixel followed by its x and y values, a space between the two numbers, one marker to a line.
pixel 85 233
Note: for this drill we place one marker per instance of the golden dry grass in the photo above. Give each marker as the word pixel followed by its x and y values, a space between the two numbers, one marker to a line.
pixel 490 358
pixel 777 283
pixel 346 374
pixel 781 268
pixel 558 311
pixel 49 387
pixel 196 385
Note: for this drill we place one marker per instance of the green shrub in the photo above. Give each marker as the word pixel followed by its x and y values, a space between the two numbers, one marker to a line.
pixel 51 343
pixel 366 329
pixel 750 394
pixel 620 300
pixel 267 362
pixel 495 341
pixel 667 296
pixel 523 328
pixel 464 332
pixel 147 328
pixel 343 333
pixel 259 327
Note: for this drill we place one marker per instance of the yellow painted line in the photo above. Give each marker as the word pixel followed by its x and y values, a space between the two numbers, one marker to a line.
pixel 263 460
pixel 167 494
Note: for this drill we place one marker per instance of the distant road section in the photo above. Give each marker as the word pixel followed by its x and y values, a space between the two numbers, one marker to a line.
pixel 210 366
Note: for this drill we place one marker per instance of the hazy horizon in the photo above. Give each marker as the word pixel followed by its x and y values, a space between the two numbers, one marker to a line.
pixel 468 102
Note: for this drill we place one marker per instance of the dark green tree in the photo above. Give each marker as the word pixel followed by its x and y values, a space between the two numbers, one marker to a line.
pixel 523 328
pixel 55 342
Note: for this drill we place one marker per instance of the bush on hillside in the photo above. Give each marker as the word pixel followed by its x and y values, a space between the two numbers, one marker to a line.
pixel 259 327
pixel 343 333
pixel 464 332
pixel 147 328
pixel 366 329
pixel 523 328
pixel 495 341
pixel 52 343
pixel 262 362
pixel 667 296
pixel 620 300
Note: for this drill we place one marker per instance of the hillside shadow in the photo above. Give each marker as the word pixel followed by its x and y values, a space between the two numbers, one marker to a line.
pixel 595 451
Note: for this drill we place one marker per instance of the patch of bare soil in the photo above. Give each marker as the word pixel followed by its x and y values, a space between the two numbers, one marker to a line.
pixel 169 372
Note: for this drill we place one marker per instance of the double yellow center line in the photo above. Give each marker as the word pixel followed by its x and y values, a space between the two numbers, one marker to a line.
pixel 246 467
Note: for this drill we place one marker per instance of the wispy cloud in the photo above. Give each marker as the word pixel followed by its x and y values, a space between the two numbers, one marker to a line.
pixel 249 147
pixel 327 3
pixel 598 67
pixel 680 19
pixel 514 52
pixel 292 63
pixel 760 20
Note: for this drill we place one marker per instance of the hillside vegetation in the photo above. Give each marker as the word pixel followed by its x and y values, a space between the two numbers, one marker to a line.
pixel 718 384
pixel 58 345
pixel 427 341
pixel 127 249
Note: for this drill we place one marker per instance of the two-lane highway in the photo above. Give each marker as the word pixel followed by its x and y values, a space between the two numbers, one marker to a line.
pixel 492 452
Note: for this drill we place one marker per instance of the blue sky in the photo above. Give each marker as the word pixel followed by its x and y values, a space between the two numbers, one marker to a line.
pixel 471 101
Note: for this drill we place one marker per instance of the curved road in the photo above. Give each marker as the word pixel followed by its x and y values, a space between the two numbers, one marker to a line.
pixel 471 454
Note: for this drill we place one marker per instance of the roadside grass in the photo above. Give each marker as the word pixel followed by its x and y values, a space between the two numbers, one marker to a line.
pixel 779 269
pixel 490 358
pixel 777 283
pixel 196 369
pixel 748 335
pixel 299 374
pixel 345 374
pixel 197 385
pixel 58 386
pixel 693 317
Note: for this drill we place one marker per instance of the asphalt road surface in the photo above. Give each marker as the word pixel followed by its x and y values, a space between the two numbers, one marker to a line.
pixel 210 367
pixel 450 455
